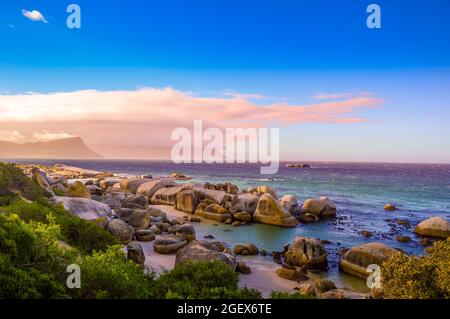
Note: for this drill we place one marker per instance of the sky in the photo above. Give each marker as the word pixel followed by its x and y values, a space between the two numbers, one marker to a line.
pixel 135 70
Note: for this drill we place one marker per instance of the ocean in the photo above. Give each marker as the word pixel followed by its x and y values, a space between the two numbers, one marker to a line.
pixel 360 191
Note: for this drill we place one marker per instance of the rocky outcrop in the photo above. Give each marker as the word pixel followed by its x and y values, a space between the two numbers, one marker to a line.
pixel 389 207
pixel 149 188
pixel 317 208
pixel 166 195
pixel 291 274
pixel 247 202
pixel 140 219
pixel 261 190
pixel 434 227
pixel 245 249
pixel 168 244
pixel 214 212
pixel 186 231
pixel 308 252
pixel 83 207
pixel 132 184
pixel 203 250
pixel 242 217
pixel 355 261
pixel 145 235
pixel 186 201
pixel 136 253
pixel 136 202
pixel 119 229
pixel 41 179
pixel 290 203
pixel 270 211
pixel 113 198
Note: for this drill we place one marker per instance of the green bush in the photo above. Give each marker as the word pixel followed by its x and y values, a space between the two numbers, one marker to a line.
pixel 78 190
pixel 201 279
pixel 12 179
pixel 418 277
pixel 289 295
pixel 109 275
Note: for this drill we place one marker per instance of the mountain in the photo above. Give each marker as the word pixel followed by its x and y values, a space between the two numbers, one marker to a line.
pixel 68 148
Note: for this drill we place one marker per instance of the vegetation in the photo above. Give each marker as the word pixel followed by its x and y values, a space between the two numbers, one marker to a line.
pixel 418 277
pixel 78 190
pixel 288 295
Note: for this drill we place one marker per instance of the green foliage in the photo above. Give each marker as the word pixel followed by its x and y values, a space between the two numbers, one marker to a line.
pixel 78 190
pixel 109 275
pixel 289 295
pixel 201 279
pixel 12 179
pixel 418 277
pixel 85 235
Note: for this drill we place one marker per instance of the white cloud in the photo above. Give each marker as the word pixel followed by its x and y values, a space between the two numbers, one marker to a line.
pixel 34 15
pixel 45 136
pixel 11 136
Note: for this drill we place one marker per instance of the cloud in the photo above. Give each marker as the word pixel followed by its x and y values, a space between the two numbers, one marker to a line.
pixel 11 136
pixel 46 136
pixel 34 15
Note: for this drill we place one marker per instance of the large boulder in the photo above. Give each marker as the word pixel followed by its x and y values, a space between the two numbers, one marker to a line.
pixel 242 217
pixel 41 179
pixel 114 198
pixel 140 219
pixel 203 250
pixel 151 187
pixel 124 214
pixel 434 227
pixel 355 261
pixel 308 252
pixel 136 253
pixel 247 202
pixel 166 196
pixel 291 274
pixel 264 189
pixel 214 212
pixel 145 235
pixel 132 184
pixel 186 201
pixel 169 244
pixel 322 207
pixel 119 229
pixel 185 231
pixel 290 203
pixel 83 207
pixel 245 249
pixel 136 202
pixel 217 196
pixel 270 211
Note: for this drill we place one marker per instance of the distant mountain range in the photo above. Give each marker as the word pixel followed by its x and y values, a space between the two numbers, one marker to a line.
pixel 68 148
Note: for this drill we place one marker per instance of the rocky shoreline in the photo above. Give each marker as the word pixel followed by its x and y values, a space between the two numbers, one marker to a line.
pixel 157 216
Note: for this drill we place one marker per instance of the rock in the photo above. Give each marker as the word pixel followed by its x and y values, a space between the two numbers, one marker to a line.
pixel 195 220
pixel 178 175
pixel 308 252
pixel 236 223
pixel 145 235
pixel 290 203
pixel 149 188
pixel 165 226
pixel 89 182
pixel 309 218
pixel 366 233
pixel 186 201
pixel 291 274
pixel 261 190
pixel 136 253
pixel 132 184
pixel 298 165
pixel 155 229
pixel 270 211
pixel 229 221
pixel 321 207
pixel 166 195
pixel 168 244
pixel 355 261
pixel 187 232
pixel 307 289
pixel 247 202
pixel 83 207
pixel 41 179
pixel 343 294
pixel 119 229
pixel 173 229
pixel 136 202
pixel 140 219
pixel 219 246
pixel 403 239
pixel 245 249
pixel 125 214
pixel 242 217
pixel 434 227
pixel 214 212
pixel 323 285
pixel 242 268
pixel 217 196
pixel 389 207
pixel 231 188
pixel 114 199
pixel 202 250
pixel 174 222
pixel 208 236
pixel 107 183
pixel 425 242
pixel 200 209
pixel 60 188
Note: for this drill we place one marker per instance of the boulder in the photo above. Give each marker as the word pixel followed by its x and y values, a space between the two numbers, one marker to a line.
pixel 322 285
pixel 214 212
pixel 308 252
pixel 136 253
pixel 169 244
pixel 247 202
pixel 107 183
pixel 166 196
pixel 173 229
pixel 145 235
pixel 270 211
pixel 149 188
pixel 136 202
pixel 140 219
pixel 187 232
pixel 132 184
pixel 125 214
pixel 83 207
pixel 290 203
pixel 78 189
pixel 114 198
pixel 155 229
pixel 342 294
pixel 242 268
pixel 41 179
pixel 119 229
pixel 355 261
pixel 261 190
pixel 403 239
pixel 217 196
pixel 291 274
pixel 203 250
pixel 389 207
pixel 243 217
pixel 434 227
pixel 245 249
pixel 186 201
pixel 307 289
pixel 320 207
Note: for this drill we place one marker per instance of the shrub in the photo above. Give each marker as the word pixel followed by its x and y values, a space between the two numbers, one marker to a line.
pixel 201 279
pixel 78 190
pixel 414 277
pixel 289 295
pixel 13 179
pixel 109 275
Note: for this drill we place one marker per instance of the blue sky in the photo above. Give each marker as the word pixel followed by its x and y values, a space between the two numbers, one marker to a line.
pixel 285 50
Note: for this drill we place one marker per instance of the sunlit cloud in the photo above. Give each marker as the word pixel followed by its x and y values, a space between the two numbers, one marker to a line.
pixel 11 136
pixel 46 136
pixel 34 15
